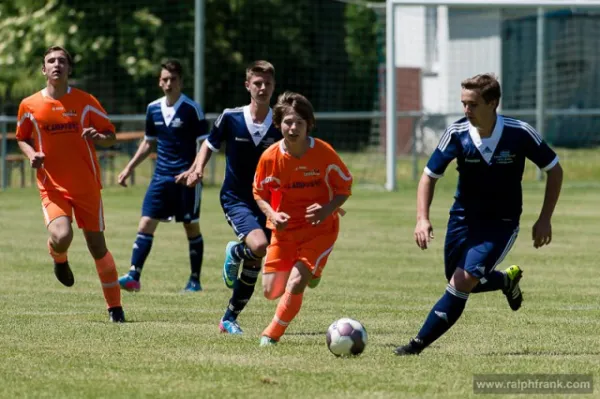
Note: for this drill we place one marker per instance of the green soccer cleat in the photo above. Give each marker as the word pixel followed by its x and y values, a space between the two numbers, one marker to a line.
pixel 511 290
pixel 314 282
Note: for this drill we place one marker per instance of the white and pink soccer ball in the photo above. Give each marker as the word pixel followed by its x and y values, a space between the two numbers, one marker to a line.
pixel 346 337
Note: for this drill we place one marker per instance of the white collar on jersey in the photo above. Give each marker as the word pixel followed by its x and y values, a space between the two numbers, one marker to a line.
pixel 487 146
pixel 45 91
pixel 168 112
pixel 257 130
pixel 311 144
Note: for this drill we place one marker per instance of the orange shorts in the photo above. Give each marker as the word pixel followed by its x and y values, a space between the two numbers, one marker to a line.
pixel 88 209
pixel 310 246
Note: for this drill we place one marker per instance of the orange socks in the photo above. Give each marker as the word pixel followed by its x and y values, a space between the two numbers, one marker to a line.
pixel 288 307
pixel 107 271
pixel 58 257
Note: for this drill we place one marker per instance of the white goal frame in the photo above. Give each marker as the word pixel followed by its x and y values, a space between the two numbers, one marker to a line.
pixel 390 91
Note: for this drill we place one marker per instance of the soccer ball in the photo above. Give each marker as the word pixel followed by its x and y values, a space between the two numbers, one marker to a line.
pixel 346 337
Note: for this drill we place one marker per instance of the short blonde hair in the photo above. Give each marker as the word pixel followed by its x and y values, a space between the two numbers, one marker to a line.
pixel 260 66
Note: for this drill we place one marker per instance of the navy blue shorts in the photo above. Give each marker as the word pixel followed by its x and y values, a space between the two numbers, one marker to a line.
pixel 477 247
pixel 166 200
pixel 243 218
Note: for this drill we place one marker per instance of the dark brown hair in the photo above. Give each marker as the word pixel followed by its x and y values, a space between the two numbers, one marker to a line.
pixel 294 102
pixel 58 48
pixel 486 85
pixel 173 66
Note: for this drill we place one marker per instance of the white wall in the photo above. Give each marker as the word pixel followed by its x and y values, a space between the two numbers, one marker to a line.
pixel 474 46
pixel 410 36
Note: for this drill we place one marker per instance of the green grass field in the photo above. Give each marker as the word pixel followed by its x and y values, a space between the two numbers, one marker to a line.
pixel 56 342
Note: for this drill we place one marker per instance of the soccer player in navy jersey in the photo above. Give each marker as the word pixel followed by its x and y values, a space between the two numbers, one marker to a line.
pixel 246 132
pixel 490 151
pixel 175 124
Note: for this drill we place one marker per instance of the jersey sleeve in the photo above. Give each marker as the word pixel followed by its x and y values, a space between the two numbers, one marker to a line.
pixel 24 123
pixel 98 118
pixel 265 179
pixel 218 133
pixel 537 150
pixel 446 151
pixel 337 176
pixel 150 133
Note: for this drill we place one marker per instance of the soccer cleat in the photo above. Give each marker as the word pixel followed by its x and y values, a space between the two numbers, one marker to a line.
pixel 230 267
pixel 130 284
pixel 414 347
pixel 314 282
pixel 193 285
pixel 230 327
pixel 63 273
pixel 512 291
pixel 116 314
pixel 267 341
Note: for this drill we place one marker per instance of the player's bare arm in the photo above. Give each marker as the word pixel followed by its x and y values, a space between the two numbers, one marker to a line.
pixel 423 229
pixel 36 159
pixel 279 219
pixel 103 139
pixel 541 233
pixel 140 155
pixel 316 213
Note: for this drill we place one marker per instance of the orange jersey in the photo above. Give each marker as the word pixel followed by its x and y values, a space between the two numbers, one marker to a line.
pixel 292 184
pixel 55 126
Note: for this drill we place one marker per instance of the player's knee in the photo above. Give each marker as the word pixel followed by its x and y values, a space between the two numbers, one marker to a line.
pixel 147 225
pixel 259 248
pixel 61 238
pixel 192 229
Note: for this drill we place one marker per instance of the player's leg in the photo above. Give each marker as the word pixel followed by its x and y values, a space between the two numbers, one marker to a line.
pixel 89 214
pixel 141 249
pixel 244 286
pixel 309 260
pixel 196 253
pixel 485 248
pixel 154 208
pixel 188 212
pixel 57 216
pixel 244 219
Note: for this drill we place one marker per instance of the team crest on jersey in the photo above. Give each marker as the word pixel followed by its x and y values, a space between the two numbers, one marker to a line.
pixel 314 172
pixel 505 157
pixel 177 122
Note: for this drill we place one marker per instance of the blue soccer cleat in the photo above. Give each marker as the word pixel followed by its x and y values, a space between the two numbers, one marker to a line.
pixel 130 284
pixel 193 285
pixel 231 267
pixel 230 327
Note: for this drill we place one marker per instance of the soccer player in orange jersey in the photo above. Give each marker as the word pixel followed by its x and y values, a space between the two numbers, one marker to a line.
pixel 300 185
pixel 57 129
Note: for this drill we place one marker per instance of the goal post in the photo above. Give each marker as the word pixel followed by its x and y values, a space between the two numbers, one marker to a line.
pixel 538 111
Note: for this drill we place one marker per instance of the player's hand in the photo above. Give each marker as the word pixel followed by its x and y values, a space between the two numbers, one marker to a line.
pixel 195 177
pixel 280 220
pixel 423 233
pixel 37 160
pixel 541 234
pixel 316 213
pixel 182 177
pixel 122 178
pixel 91 133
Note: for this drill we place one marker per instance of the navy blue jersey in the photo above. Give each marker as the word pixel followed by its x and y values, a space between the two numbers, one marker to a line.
pixel 177 131
pixel 490 169
pixel 245 141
